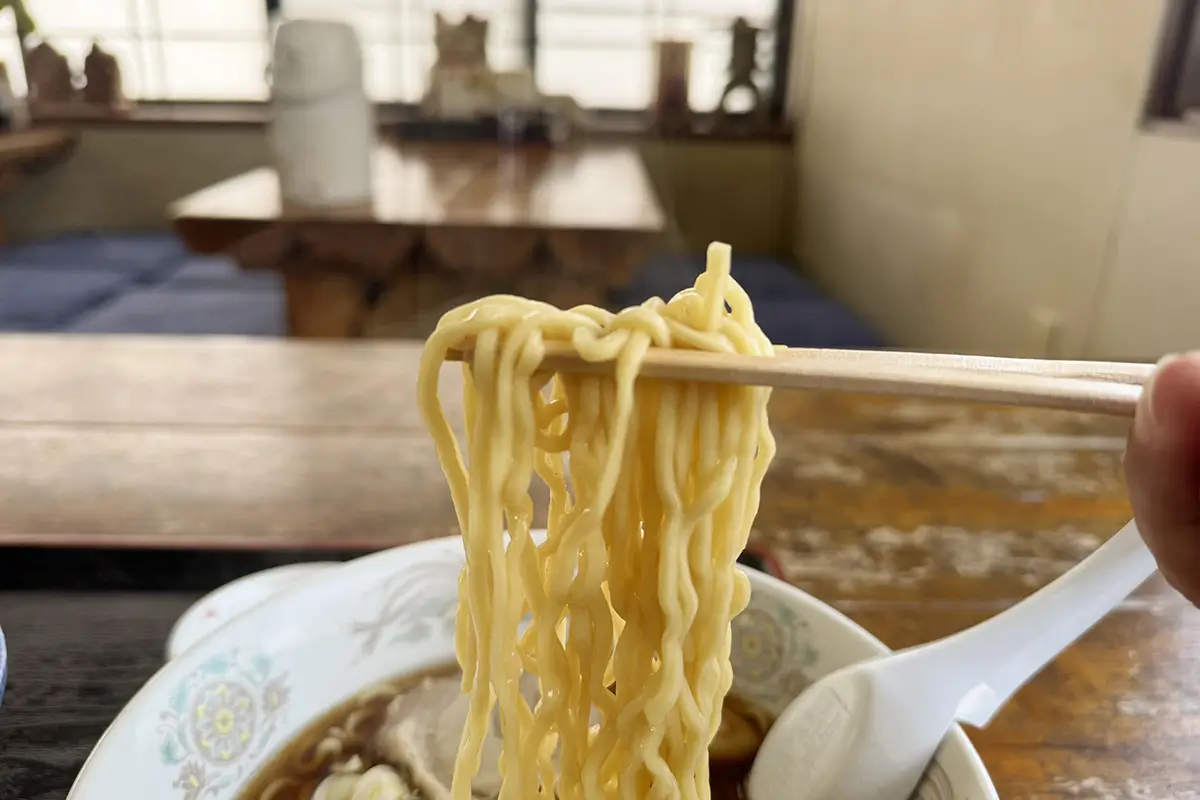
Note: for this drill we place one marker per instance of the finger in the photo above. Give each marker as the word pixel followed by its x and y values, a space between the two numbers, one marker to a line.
pixel 1162 468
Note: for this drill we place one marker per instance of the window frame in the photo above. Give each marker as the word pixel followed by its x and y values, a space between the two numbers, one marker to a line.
pixel 609 121
pixel 1178 35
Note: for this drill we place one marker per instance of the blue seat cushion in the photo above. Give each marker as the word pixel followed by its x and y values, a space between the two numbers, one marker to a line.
pixel 661 276
pixel 812 323
pixel 35 299
pixel 787 306
pixel 139 257
pixel 219 271
pixel 194 310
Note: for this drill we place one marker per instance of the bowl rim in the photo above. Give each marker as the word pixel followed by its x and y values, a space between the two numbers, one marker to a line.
pixel 132 715
pixel 3 664
pixel 302 568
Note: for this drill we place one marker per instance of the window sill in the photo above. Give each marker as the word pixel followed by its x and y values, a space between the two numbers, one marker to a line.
pixel 1177 128
pixel 606 125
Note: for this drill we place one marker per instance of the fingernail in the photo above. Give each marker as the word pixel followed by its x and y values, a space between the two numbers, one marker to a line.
pixel 1147 410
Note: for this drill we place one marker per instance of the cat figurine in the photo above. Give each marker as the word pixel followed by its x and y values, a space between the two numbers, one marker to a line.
pixel 462 85
pixel 461 46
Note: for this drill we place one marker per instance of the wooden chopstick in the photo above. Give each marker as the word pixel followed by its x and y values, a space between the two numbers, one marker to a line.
pixel 1094 387
pixel 1117 372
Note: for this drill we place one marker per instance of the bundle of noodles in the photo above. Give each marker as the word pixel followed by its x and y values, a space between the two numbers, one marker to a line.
pixel 653 488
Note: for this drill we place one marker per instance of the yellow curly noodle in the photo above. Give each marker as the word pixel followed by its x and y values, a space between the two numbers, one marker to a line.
pixel 635 584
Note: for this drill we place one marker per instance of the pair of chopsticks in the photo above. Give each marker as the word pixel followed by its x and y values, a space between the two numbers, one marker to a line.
pixel 1090 386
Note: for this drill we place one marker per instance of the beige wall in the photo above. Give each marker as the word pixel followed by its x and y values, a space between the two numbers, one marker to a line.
pixel 125 176
pixel 1151 300
pixel 970 173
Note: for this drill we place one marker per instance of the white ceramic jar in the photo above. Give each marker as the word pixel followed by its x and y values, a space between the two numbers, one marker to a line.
pixel 322 131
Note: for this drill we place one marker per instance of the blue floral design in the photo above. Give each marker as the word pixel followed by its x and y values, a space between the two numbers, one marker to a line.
pixel 219 719
pixel 772 653
pixel 759 645
pixel 773 657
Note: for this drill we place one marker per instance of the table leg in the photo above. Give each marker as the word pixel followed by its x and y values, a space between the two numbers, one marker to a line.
pixel 324 305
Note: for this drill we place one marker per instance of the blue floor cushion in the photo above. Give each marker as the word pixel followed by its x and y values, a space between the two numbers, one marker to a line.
pixel 149 283
pixel 814 322
pixel 36 299
pixel 789 309
pixel 137 256
pixel 218 271
pixel 196 311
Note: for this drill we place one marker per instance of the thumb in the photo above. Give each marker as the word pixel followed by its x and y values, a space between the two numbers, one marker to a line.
pixel 1162 469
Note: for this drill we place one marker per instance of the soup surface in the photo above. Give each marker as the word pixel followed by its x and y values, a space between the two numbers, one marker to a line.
pixel 401 737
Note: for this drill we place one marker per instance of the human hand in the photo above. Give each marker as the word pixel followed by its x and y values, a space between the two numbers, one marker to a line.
pixel 1162 468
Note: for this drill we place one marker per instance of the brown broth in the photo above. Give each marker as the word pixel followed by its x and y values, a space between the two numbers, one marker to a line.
pixel 294 773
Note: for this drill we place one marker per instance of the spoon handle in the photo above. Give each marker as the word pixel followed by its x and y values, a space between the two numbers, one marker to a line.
pixel 1004 652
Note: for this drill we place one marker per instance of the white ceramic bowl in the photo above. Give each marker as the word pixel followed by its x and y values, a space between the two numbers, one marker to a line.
pixel 326 636
pixel 3 664
pixel 211 612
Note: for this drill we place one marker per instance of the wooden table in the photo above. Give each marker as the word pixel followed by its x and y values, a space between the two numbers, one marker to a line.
pixel 444 219
pixel 23 153
pixel 915 518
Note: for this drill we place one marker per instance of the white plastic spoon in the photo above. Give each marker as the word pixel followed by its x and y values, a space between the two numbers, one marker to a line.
pixel 867 732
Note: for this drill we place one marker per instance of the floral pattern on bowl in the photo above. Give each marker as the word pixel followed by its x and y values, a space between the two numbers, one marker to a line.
pixel 225 706
pixel 775 658
pixel 219 721
pixel 408 608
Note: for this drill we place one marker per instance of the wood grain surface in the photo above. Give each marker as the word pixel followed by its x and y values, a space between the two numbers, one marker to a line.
pixel 446 185
pixel 915 518
pixel 31 147
pixel 482 212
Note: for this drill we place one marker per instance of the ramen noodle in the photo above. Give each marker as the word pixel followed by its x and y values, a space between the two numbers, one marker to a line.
pixel 622 613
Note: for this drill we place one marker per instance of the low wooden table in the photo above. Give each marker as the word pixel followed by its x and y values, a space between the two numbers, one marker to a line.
pixel 445 219
pixel 915 518
pixel 25 152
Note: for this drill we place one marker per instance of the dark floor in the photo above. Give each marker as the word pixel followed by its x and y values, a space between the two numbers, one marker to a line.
pixel 148 283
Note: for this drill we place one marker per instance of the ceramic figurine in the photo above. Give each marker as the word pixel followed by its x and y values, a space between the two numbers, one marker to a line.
pixel 322 131
pixel 102 76
pixel 461 46
pixel 743 64
pixel 49 76
pixel 462 85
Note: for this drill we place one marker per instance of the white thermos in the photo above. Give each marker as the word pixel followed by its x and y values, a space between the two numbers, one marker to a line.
pixel 322 131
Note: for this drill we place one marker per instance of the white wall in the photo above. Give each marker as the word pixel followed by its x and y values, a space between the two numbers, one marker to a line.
pixel 1151 300
pixel 965 169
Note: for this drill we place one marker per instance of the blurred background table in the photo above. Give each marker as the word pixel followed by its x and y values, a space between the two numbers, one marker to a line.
pixel 24 152
pixel 456 217
pixel 136 473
